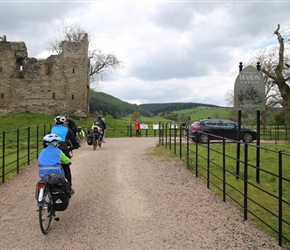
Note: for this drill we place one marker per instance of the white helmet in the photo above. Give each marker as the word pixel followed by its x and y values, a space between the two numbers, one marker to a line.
pixel 59 119
pixel 51 139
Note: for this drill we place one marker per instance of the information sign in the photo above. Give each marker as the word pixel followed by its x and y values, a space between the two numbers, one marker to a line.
pixel 249 93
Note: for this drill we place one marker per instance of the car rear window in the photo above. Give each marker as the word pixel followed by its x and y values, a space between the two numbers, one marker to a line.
pixel 212 123
pixel 195 124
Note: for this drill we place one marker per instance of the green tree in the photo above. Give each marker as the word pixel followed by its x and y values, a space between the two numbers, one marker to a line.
pixel 135 115
pixel 279 118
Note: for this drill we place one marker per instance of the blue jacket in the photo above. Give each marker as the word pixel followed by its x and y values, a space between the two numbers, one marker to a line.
pixel 61 131
pixel 68 138
pixel 49 161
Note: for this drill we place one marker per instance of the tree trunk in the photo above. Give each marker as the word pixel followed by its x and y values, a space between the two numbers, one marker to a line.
pixel 279 79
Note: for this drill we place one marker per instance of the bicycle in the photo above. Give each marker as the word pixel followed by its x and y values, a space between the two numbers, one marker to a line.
pixel 51 197
pixel 97 138
pixel 80 135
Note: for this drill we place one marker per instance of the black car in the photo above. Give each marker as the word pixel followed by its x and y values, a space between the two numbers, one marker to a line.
pixel 221 128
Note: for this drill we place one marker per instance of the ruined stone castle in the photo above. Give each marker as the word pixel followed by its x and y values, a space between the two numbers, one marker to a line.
pixel 59 84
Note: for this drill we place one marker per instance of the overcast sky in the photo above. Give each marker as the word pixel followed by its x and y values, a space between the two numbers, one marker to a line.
pixel 173 51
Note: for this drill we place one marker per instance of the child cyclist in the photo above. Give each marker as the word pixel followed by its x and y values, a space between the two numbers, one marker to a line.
pixel 51 158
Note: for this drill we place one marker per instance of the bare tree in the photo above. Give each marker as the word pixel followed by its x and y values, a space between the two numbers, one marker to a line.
pixel 101 63
pixel 69 32
pixel 278 73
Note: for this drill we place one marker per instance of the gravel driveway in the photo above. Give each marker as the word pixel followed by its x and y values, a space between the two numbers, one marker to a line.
pixel 126 199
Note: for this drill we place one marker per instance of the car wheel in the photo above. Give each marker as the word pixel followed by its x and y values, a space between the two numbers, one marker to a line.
pixel 204 138
pixel 248 137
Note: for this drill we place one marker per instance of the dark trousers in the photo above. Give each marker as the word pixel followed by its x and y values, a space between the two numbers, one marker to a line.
pixel 67 172
pixel 66 168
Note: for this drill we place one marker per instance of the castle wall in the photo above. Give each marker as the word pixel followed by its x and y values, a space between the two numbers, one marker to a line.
pixel 58 84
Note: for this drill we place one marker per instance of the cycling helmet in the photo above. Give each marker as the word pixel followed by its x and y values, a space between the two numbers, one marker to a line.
pixel 59 119
pixel 97 123
pixel 99 116
pixel 51 139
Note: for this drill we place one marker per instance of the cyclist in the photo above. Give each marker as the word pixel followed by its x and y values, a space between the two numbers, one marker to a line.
pixel 72 125
pixel 51 158
pixel 104 130
pixel 67 142
pixel 100 123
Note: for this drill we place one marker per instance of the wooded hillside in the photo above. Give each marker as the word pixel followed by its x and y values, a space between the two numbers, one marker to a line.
pixel 105 104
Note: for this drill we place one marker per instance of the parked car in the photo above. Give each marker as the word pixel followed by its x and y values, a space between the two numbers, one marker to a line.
pixel 219 127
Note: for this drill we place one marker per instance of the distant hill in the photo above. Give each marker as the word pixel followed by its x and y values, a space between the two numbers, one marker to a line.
pixel 108 105
pixel 156 108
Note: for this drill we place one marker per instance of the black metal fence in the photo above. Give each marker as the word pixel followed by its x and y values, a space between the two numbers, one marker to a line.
pixel 259 188
pixel 18 148
pixel 21 146
pixel 273 132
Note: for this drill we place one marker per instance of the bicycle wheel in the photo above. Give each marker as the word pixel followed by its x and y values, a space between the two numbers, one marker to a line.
pixel 95 143
pixel 45 212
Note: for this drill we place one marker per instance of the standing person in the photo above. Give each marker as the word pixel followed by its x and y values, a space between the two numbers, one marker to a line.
pixel 184 126
pixel 67 142
pixel 137 128
pixel 104 130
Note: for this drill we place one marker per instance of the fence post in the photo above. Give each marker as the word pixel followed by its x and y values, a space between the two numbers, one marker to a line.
pixel 18 147
pixel 3 157
pixel 280 230
pixel 196 157
pixel 208 162
pixel 224 170
pixel 170 131
pixel 166 135
pixel 246 182
pixel 28 143
pixel 180 144
pixel 37 141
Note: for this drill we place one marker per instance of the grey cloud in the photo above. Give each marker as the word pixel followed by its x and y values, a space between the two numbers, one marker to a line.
pixel 32 22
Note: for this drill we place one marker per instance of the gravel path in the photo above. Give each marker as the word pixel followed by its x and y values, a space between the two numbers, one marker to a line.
pixel 126 199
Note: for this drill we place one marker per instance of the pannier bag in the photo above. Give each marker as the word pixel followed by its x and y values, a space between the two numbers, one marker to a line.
pixel 59 188
pixel 90 139
pixel 60 199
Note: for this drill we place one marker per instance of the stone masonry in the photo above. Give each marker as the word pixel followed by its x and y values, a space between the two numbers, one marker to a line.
pixel 59 84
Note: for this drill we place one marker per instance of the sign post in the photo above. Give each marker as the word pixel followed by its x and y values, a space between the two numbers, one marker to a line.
pixel 249 94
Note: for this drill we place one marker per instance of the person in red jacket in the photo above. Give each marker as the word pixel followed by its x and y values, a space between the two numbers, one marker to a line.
pixel 137 128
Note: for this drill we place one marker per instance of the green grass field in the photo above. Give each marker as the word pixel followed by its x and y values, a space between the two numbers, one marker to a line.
pixel 204 112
